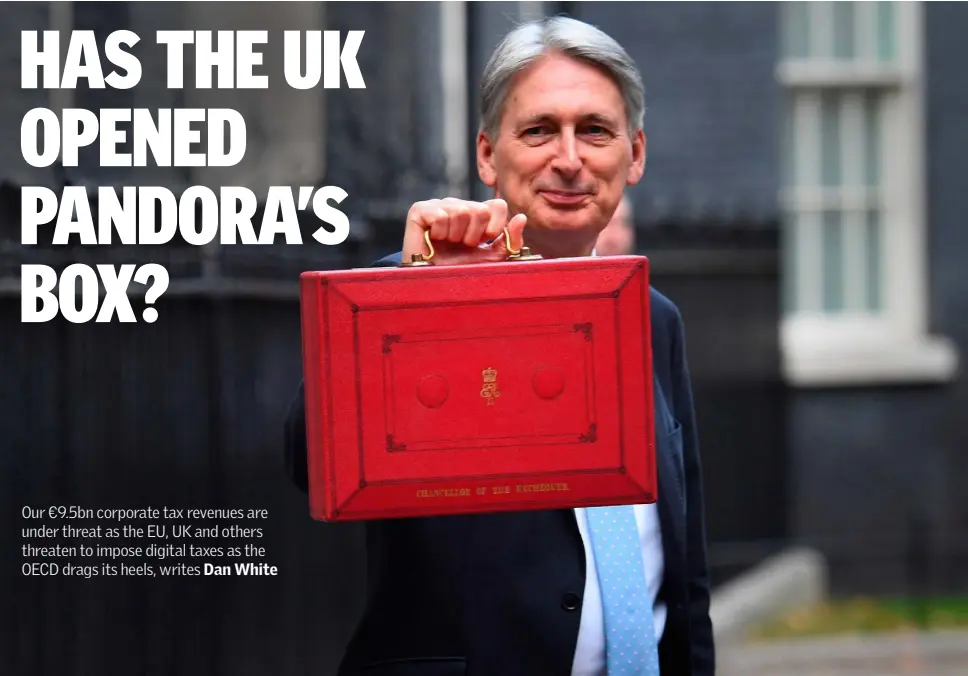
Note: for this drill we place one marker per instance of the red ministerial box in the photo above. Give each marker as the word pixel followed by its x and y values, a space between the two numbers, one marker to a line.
pixel 478 388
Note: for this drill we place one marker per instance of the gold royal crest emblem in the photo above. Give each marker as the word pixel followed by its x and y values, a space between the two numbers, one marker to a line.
pixel 489 389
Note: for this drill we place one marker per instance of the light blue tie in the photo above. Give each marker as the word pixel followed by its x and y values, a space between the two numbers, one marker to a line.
pixel 630 645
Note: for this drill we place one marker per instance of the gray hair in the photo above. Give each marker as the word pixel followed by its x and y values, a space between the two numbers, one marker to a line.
pixel 579 40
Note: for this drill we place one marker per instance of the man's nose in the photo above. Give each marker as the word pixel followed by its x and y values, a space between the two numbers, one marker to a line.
pixel 568 160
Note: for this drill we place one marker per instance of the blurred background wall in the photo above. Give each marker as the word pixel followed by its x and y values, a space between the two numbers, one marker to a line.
pixel 803 204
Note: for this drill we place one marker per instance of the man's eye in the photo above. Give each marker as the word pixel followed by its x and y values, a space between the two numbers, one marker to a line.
pixel 534 131
pixel 595 130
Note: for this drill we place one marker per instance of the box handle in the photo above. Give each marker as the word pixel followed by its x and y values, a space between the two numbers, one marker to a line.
pixel 417 259
pixel 421 259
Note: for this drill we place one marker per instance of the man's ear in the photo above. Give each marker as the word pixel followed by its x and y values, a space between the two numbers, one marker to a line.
pixel 485 160
pixel 638 158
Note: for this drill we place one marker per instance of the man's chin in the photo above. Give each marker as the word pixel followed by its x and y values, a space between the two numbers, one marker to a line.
pixel 572 220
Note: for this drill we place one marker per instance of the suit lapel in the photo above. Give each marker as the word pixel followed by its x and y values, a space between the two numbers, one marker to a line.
pixel 671 504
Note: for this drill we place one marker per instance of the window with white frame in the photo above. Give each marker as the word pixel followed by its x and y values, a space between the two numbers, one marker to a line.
pixel 852 196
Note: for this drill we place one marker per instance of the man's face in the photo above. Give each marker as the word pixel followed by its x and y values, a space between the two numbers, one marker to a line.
pixel 563 155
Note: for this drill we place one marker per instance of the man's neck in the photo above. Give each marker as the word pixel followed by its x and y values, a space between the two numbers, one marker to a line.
pixel 559 244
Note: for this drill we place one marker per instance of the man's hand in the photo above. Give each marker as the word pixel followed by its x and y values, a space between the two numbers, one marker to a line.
pixel 460 230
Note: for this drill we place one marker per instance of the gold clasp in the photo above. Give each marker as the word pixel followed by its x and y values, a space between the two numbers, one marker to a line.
pixel 421 259
pixel 522 254
pixel 507 244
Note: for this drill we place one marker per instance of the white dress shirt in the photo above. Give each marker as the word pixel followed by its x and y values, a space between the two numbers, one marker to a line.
pixel 590 652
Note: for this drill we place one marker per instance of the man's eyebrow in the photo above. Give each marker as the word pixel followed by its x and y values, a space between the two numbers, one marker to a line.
pixel 535 118
pixel 600 119
pixel 595 118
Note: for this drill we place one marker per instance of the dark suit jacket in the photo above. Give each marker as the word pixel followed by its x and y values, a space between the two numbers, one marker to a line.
pixel 500 594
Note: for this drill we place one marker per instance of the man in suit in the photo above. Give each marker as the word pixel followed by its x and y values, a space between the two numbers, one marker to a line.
pixel 534 593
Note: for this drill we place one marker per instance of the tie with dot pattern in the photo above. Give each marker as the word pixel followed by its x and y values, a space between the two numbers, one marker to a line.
pixel 630 645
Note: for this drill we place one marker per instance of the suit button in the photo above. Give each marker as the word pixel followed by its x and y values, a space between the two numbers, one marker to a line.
pixel 570 601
